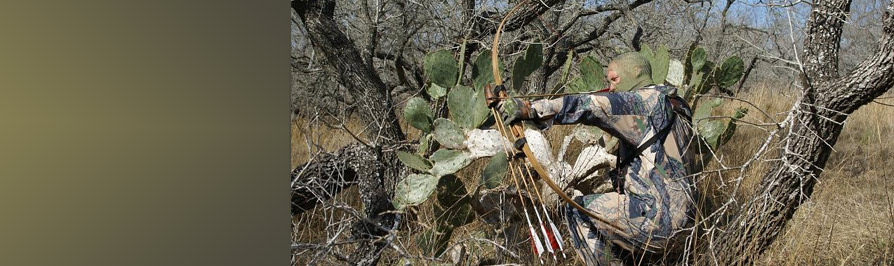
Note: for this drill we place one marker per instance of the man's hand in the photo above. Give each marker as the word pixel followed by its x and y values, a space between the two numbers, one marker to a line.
pixel 493 94
pixel 514 110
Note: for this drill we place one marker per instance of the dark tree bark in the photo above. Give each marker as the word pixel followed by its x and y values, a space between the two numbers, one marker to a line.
pixel 606 22
pixel 526 13
pixel 322 178
pixel 345 61
pixel 746 74
pixel 824 39
pixel 816 124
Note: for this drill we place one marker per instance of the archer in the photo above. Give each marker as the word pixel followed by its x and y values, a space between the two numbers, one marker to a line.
pixel 653 199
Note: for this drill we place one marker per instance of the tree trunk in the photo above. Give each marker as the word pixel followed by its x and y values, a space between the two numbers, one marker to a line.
pixel 815 126
pixel 381 170
pixel 376 105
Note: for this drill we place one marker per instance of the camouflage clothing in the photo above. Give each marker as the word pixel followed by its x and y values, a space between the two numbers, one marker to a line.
pixel 657 199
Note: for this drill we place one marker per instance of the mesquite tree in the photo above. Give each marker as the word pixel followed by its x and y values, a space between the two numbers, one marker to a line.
pixel 812 126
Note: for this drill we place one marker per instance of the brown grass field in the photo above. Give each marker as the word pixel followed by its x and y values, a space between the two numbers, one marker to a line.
pixel 848 221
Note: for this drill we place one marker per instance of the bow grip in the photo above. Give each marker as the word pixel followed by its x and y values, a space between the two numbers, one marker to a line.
pixel 493 95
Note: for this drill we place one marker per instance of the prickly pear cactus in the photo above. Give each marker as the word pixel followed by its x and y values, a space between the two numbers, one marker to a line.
pixel 414 161
pixel 659 60
pixel 447 162
pixel 442 147
pixel 729 73
pixel 591 77
pixel 660 63
pixel 481 70
pixel 447 139
pixel 467 106
pixel 701 75
pixel 448 133
pixel 694 76
pixel 453 208
pixel 495 170
pixel 418 114
pixel 675 73
pixel 414 189
pixel 527 65
pixel 440 68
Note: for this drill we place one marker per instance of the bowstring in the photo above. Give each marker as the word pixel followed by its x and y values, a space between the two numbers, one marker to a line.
pixel 498 82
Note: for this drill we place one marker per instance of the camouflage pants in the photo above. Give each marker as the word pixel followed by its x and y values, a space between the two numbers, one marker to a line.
pixel 600 244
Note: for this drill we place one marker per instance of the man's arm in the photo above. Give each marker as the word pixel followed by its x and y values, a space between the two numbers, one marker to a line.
pixel 624 114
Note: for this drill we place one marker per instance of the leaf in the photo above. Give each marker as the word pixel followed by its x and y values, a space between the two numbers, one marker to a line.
pixel 450 190
pixel 566 69
pixel 698 58
pixel 440 68
pixel 467 107
pixel 675 73
pixel 711 130
pixel 707 79
pixel 493 174
pixel 456 214
pixel 659 64
pixel 414 161
pixel 448 162
pixel 436 91
pixel 704 110
pixel 740 112
pixel 587 134
pixel 576 85
pixel 731 126
pixel 482 72
pixel 527 65
pixel 694 84
pixel 701 81
pixel 418 114
pixel 730 72
pixel 448 134
pixel 413 190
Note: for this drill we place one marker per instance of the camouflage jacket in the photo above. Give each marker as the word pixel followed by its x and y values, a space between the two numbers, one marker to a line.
pixel 657 200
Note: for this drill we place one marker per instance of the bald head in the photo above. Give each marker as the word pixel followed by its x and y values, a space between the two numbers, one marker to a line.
pixel 628 71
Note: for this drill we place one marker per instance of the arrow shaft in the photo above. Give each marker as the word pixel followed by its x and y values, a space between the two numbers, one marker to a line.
pixel 536 212
pixel 555 230
pixel 512 172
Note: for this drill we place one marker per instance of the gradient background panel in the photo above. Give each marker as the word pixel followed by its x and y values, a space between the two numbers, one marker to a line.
pixel 144 133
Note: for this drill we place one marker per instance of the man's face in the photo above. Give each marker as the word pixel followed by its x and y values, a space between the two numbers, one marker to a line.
pixel 612 77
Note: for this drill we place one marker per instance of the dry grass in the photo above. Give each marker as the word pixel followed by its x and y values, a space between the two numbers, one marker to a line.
pixel 849 220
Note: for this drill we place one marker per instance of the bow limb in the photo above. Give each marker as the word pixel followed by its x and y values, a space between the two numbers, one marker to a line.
pixel 518 132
